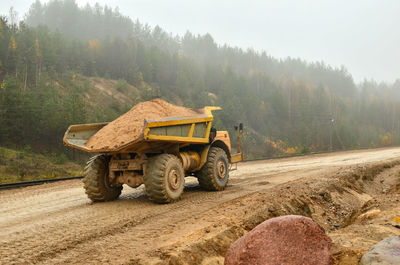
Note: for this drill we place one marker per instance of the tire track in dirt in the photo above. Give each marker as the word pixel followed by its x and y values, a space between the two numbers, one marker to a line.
pixel 56 223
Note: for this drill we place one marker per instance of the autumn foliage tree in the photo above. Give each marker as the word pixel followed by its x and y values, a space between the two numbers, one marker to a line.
pixel 288 105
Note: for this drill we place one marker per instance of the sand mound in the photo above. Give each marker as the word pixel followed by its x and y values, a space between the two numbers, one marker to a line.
pixel 129 127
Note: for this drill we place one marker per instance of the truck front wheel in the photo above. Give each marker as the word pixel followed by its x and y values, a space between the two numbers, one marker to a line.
pixel 95 179
pixel 165 178
pixel 214 174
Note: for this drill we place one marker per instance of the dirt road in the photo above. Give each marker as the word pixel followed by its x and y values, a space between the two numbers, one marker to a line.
pixel 56 223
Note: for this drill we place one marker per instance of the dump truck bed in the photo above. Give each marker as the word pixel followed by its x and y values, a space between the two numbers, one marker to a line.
pixel 156 134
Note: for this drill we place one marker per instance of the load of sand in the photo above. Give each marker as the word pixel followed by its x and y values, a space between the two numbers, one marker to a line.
pixel 129 127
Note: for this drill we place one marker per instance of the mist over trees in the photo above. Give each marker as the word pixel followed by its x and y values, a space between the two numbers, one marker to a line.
pixel 288 105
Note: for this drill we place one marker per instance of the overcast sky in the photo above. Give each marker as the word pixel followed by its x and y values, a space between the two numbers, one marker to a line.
pixel 362 35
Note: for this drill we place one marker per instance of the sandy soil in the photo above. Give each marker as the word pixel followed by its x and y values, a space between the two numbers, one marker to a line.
pixel 56 223
pixel 129 126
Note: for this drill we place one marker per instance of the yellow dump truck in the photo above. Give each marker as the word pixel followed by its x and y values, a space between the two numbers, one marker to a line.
pixel 166 152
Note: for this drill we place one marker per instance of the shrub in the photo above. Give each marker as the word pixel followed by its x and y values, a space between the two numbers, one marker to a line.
pixel 122 85
pixel 59 159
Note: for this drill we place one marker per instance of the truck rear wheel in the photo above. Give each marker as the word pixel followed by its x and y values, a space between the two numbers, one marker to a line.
pixel 214 174
pixel 95 179
pixel 165 178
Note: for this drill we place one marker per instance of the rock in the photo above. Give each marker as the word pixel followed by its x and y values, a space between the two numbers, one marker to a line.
pixel 396 219
pixel 385 252
pixel 367 215
pixel 290 239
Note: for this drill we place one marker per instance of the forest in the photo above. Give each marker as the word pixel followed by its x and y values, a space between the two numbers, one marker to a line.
pixel 288 106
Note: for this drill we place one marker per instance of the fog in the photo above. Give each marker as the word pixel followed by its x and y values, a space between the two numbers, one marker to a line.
pixel 361 35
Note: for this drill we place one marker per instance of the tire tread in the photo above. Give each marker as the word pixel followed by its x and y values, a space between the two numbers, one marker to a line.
pixel 206 176
pixel 93 180
pixel 154 179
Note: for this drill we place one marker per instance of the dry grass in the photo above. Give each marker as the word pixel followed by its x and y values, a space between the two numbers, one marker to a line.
pixel 24 166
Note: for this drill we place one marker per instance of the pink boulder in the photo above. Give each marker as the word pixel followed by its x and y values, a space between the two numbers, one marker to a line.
pixel 290 239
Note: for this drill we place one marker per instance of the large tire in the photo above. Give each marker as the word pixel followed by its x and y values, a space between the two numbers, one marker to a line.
pixel 214 174
pixel 95 179
pixel 165 178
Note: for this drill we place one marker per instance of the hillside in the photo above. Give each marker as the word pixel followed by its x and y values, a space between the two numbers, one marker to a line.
pixel 24 165
pixel 114 96
pixel 52 76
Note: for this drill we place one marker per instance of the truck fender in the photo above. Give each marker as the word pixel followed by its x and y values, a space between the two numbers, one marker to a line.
pixel 204 152
pixel 203 156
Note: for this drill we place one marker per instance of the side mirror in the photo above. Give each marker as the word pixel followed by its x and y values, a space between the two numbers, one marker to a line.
pixel 239 131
